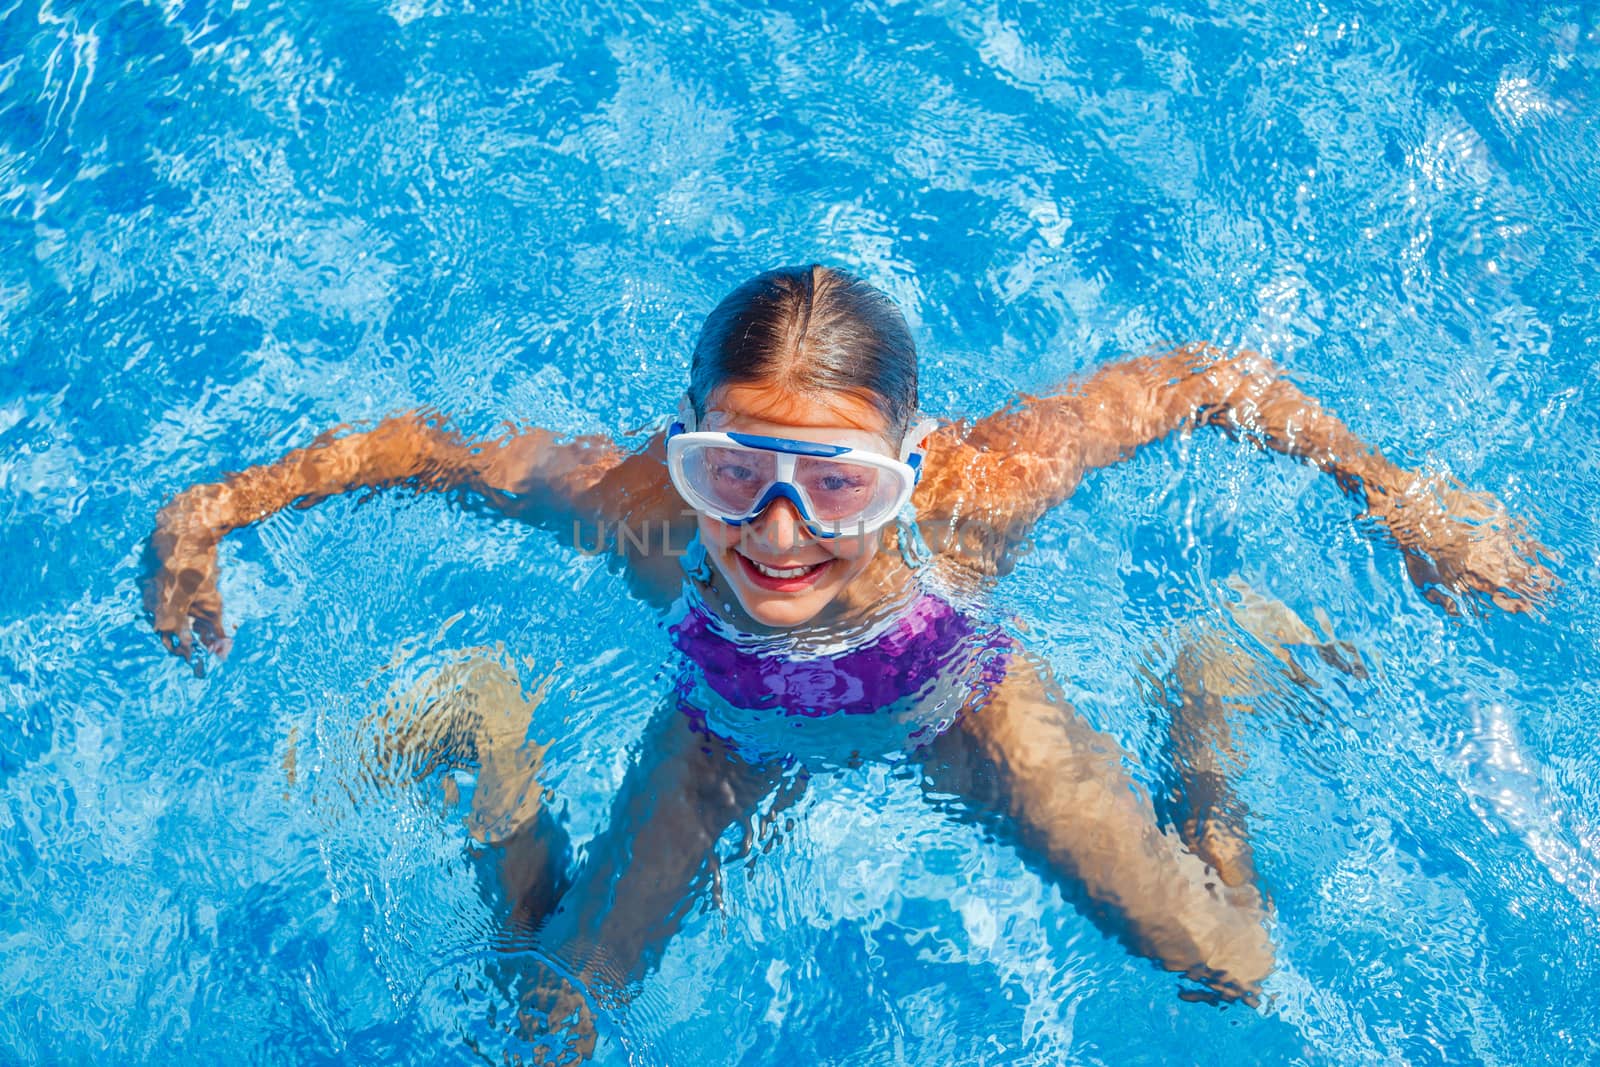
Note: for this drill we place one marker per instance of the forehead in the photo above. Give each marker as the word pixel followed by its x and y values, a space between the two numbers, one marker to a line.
pixel 761 406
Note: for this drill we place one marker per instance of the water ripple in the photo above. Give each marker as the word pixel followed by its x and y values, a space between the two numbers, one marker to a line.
pixel 224 228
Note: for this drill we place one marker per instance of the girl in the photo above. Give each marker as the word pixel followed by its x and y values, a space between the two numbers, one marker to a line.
pixel 811 587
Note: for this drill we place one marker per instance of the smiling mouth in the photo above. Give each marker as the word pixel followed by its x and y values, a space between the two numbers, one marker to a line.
pixel 783 572
pixel 781 579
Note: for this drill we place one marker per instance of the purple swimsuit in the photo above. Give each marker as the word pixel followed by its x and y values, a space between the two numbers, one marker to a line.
pixel 904 661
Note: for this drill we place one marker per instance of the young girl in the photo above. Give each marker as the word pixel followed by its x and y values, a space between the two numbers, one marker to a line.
pixel 830 535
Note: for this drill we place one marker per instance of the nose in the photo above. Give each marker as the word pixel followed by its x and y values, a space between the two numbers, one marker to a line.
pixel 779 527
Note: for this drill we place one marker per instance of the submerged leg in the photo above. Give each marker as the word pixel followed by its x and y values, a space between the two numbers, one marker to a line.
pixel 1213 678
pixel 1210 816
pixel 470 713
pixel 475 713
pixel 639 876
pixel 642 874
pixel 1028 763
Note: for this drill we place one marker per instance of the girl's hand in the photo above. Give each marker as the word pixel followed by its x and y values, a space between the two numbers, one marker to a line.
pixel 1460 544
pixel 181 594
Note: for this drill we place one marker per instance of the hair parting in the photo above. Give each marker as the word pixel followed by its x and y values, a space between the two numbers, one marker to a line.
pixel 811 329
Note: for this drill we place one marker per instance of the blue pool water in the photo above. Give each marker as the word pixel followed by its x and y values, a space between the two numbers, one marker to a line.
pixel 225 227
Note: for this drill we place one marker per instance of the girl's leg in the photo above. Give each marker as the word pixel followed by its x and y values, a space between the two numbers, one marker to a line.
pixel 641 876
pixel 475 713
pixel 638 877
pixel 1214 678
pixel 1027 763
pixel 1209 815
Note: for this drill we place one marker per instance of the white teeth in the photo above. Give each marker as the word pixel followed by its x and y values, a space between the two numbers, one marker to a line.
pixel 774 572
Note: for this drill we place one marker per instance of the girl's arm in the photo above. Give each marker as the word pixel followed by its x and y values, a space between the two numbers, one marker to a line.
pixel 528 474
pixel 1012 467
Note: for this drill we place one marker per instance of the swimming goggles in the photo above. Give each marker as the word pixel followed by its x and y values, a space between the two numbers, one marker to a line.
pixel 837 490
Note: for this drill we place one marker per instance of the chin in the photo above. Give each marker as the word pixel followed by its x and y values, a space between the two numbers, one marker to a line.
pixel 781 614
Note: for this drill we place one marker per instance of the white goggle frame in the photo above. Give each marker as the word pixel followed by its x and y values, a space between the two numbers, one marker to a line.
pixel 786 455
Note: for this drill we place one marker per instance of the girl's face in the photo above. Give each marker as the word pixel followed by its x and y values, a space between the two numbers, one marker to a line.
pixel 781 573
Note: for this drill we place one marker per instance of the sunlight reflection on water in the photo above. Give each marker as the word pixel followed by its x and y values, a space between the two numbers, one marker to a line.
pixel 225 228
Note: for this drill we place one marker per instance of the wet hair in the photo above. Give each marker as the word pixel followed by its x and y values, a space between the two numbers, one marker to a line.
pixel 812 330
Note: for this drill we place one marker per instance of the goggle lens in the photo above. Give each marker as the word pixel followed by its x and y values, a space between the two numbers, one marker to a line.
pixel 838 492
pixel 731 478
